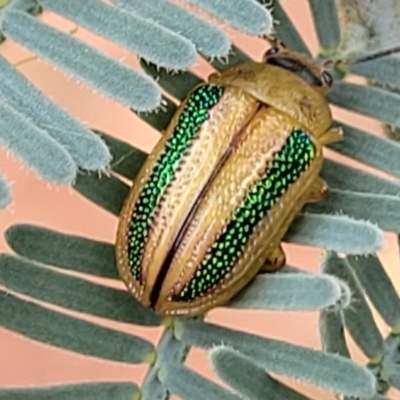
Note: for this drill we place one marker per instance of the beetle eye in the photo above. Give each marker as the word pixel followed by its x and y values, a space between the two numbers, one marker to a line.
pixel 271 51
pixel 327 78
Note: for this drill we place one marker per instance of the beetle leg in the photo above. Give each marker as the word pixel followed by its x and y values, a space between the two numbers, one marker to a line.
pixel 213 78
pixel 332 135
pixel 318 191
pixel 275 261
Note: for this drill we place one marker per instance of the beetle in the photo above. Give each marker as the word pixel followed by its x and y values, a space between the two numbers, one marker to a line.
pixel 213 200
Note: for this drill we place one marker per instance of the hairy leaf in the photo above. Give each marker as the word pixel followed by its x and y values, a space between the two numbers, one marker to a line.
pixel 5 193
pixel 160 118
pixel 357 317
pixel 177 85
pixel 237 56
pixel 373 150
pixel 342 177
pixel 106 191
pixel 113 79
pixel 170 50
pixel 85 148
pixel 126 160
pixel 188 385
pixel 326 22
pixel 41 153
pixel 60 330
pixel 383 70
pixel 247 378
pixel 87 391
pixel 250 17
pixel 326 370
pixel 378 286
pixel 285 30
pixel 61 250
pixel 289 291
pixel 382 209
pixel 170 351
pixel 209 39
pixel 335 232
pixel 374 102
pixel 332 332
pixel 72 293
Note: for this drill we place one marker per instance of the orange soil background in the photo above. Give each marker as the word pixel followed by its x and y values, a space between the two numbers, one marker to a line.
pixel 26 362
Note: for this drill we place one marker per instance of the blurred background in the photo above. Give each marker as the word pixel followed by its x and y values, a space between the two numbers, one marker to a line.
pixel 25 362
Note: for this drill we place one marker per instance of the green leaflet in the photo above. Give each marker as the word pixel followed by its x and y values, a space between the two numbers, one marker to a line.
pixel 170 50
pixel 113 79
pixel 357 317
pixel 323 369
pixel 87 391
pixel 250 17
pixel 208 38
pixel 374 102
pixel 5 193
pixel 189 385
pixel 248 378
pixel 382 210
pixel 326 20
pixel 60 330
pixel 42 154
pixel 72 293
pixel 332 332
pixel 378 287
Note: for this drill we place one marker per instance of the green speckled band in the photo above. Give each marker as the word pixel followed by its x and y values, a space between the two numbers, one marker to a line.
pixel 287 166
pixel 194 114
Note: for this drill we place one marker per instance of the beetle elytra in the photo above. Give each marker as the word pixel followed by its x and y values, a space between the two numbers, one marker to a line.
pixel 238 161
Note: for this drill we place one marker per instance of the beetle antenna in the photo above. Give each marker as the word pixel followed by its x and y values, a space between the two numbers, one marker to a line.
pixel 273 41
pixel 374 56
pixel 379 54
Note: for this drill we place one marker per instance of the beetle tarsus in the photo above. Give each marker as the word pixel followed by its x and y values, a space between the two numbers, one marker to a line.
pixel 275 261
pixel 332 135
pixel 318 191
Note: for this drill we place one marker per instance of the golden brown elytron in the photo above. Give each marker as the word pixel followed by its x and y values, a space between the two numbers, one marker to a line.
pixel 213 200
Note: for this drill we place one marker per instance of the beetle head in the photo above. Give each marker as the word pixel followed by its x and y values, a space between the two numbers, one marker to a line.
pixel 304 67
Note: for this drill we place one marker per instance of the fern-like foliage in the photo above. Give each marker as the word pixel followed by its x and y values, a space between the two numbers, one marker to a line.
pixel 349 224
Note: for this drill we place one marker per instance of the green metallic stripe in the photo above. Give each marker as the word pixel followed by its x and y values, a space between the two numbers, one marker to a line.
pixel 193 115
pixel 288 164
